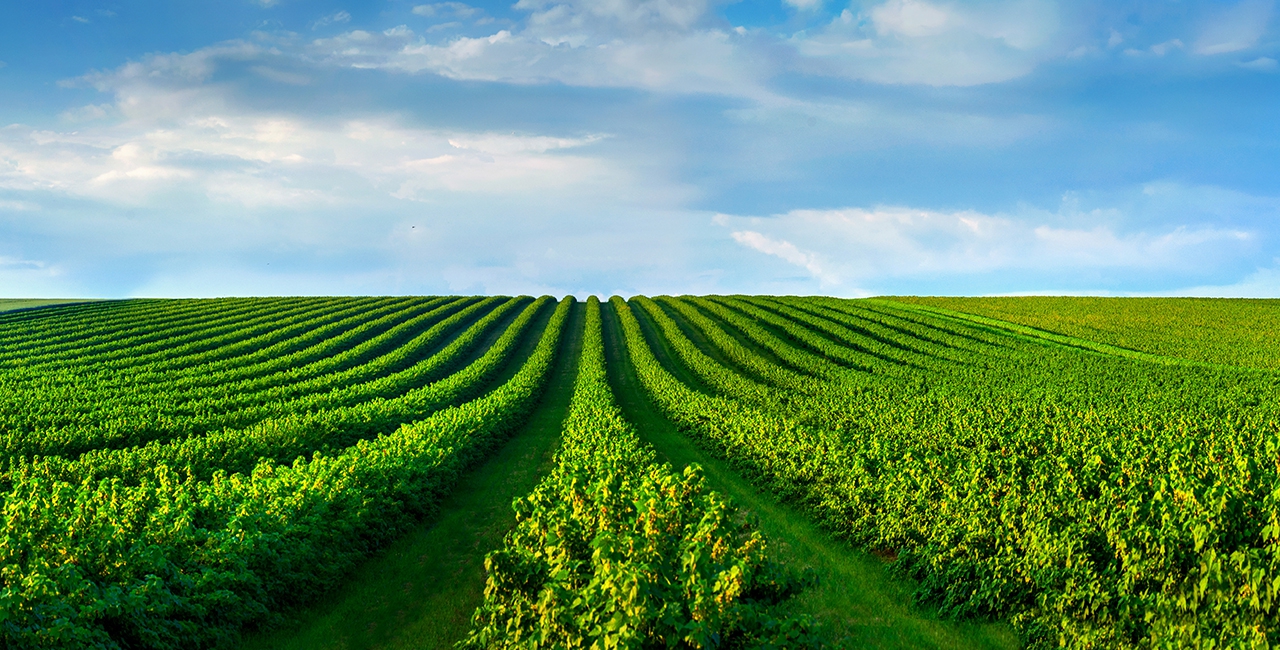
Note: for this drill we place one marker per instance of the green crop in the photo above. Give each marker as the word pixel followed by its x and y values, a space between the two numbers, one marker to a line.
pixel 614 550
pixel 1098 473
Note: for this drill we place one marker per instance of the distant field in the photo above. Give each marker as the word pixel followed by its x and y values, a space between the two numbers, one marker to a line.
pixel 9 304
pixel 1239 332
pixel 412 472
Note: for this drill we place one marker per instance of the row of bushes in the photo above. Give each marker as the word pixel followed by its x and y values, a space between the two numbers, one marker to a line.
pixel 614 550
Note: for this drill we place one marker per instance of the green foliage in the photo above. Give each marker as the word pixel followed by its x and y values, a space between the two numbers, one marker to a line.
pixel 171 560
pixel 613 550
pixel 1230 331
pixel 174 471
pixel 1096 501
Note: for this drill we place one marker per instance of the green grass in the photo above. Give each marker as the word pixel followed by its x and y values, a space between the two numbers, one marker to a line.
pixel 1232 331
pixel 13 304
pixel 421 592
pixel 857 599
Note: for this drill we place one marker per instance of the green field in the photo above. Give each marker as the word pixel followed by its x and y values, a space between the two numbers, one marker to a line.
pixel 1233 331
pixel 722 471
pixel 12 304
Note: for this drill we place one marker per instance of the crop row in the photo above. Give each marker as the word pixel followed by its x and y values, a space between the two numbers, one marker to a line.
pixel 1096 501
pixel 614 550
pixel 299 433
pixel 336 345
pixel 169 559
pixel 117 427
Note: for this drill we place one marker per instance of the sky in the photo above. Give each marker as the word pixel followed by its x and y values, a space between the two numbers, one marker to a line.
pixel 281 147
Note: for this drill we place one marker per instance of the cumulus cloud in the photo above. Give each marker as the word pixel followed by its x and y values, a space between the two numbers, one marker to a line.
pixel 260 160
pixel 206 161
pixel 186 181
pixel 179 133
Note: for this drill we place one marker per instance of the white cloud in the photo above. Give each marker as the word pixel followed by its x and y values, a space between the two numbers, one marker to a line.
pixel 805 5
pixel 866 123
pixel 582 22
pixel 447 10
pixel 556 50
pixel 920 42
pixel 672 46
pixel 1160 49
pixel 80 19
pixel 260 160
pixel 912 18
pixel 1235 29
pixel 8 263
pixel 86 113
pixel 340 17
pixel 280 76
pixel 785 250
pixel 856 247
pixel 1260 64
pixel 177 133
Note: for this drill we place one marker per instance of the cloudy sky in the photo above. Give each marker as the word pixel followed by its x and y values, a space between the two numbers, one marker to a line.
pixel 242 147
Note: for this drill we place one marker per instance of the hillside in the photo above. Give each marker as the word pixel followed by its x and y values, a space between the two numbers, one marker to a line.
pixel 1233 331
pixel 718 471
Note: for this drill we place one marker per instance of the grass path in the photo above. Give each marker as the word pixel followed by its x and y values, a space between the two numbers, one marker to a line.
pixel 422 590
pixel 856 599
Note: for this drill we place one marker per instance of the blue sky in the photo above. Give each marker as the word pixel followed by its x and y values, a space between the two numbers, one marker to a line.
pixel 639 146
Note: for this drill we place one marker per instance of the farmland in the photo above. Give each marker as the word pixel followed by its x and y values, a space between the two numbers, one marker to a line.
pixel 1235 332
pixel 737 471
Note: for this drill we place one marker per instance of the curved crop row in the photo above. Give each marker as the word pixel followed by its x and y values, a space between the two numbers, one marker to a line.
pixel 801 352
pixel 101 321
pixel 47 402
pixel 297 433
pixel 746 359
pixel 823 336
pixel 71 441
pixel 355 355
pixel 614 550
pixel 177 562
pixel 150 338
